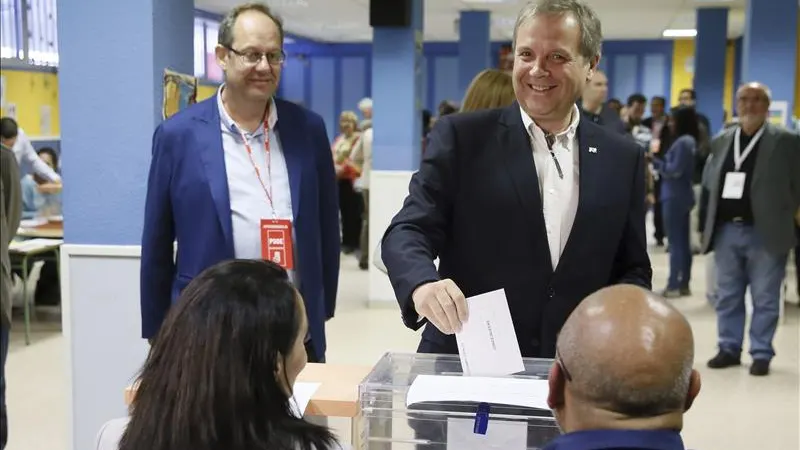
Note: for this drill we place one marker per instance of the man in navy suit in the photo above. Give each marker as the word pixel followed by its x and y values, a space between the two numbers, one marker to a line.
pixel 243 175
pixel 530 198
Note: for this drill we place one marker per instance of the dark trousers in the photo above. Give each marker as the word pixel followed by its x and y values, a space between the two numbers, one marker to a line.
pixel 312 355
pixel 797 258
pixel 3 412
pixel 350 210
pixel 676 222
pixel 658 216
pixel 364 245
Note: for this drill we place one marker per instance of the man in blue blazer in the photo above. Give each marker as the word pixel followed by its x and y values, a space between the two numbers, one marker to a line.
pixel 530 198
pixel 243 175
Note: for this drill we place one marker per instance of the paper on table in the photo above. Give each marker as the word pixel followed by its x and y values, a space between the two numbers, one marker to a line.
pixel 302 395
pixel 34 244
pixel 487 343
pixel 500 435
pixel 523 392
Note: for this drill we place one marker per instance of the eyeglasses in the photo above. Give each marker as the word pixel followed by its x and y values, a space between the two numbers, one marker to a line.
pixel 560 362
pixel 253 58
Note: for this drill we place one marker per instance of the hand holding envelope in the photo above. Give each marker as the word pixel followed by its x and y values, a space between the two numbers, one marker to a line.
pixel 443 304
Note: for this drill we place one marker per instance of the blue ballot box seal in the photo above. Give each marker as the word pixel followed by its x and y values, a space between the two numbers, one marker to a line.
pixel 481 419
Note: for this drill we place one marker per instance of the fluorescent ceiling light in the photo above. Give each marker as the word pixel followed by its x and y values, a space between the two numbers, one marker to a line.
pixel 474 2
pixel 680 32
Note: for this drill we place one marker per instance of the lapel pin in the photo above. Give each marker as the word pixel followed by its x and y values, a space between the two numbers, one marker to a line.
pixel 592 150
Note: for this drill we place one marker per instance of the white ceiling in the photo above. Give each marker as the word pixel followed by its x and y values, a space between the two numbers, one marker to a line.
pixel 348 20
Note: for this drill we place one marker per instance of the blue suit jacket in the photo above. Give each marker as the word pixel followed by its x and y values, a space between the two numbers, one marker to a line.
pixel 677 172
pixel 475 204
pixel 188 201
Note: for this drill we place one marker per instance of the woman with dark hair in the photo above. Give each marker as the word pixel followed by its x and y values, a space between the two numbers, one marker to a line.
pixel 220 373
pixel 677 197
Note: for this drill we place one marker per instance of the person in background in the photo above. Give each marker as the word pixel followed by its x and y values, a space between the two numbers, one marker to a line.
pixel 754 193
pixel 10 214
pixel 362 158
pixel 40 198
pixel 623 376
pixel 615 105
pixel 365 106
pixel 688 97
pixel 13 137
pixel 676 170
pixel 350 204
pixel 633 123
pixel 491 88
pixel 594 107
pixel 231 171
pixel 227 359
pixel 445 109
pixel 657 123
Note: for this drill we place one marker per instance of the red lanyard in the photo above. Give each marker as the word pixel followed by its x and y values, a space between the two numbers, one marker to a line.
pixel 268 186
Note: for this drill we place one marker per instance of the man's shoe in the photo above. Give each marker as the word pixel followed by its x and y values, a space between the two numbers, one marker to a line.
pixel 760 367
pixel 671 293
pixel 686 292
pixel 723 360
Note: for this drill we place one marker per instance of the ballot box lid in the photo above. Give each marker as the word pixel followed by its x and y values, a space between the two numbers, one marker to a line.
pixel 417 401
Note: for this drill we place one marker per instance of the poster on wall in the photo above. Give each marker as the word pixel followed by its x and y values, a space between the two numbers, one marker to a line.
pixel 2 91
pixel 10 110
pixel 779 112
pixel 180 91
pixel 45 120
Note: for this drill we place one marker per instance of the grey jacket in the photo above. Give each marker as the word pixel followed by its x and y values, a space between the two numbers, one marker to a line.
pixel 774 191
pixel 10 213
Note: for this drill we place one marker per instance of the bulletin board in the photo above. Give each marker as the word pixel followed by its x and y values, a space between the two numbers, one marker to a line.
pixel 180 91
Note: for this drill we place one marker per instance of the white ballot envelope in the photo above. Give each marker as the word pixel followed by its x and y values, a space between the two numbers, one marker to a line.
pixel 521 392
pixel 487 343
pixel 301 395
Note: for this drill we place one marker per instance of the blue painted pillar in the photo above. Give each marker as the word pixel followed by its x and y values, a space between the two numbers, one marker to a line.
pixel 112 55
pixel 397 94
pixel 769 49
pixel 110 86
pixel 474 46
pixel 709 64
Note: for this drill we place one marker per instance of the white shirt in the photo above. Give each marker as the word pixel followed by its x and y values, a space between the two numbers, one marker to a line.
pixel 559 196
pixel 249 204
pixel 363 154
pixel 24 151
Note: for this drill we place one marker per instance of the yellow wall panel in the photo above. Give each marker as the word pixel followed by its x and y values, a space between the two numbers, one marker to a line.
pixel 205 91
pixel 797 75
pixel 727 93
pixel 30 91
pixel 682 61
pixel 683 71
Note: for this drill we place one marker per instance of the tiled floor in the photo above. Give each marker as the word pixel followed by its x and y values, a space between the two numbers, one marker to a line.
pixel 734 410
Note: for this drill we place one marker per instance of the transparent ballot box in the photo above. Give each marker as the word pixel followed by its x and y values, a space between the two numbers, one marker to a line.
pixel 424 402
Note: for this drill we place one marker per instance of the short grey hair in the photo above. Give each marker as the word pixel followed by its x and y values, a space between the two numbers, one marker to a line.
pixel 225 36
pixel 765 90
pixel 591 31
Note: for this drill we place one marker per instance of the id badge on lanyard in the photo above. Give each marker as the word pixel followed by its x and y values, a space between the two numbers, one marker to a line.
pixel 276 234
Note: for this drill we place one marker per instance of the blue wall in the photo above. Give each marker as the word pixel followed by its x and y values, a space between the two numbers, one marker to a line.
pixel 330 78
pixel 637 67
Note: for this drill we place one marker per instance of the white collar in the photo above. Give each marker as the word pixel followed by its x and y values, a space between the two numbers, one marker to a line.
pixel 537 133
pixel 230 124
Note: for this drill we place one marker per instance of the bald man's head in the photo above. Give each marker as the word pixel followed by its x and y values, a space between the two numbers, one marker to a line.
pixel 625 352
